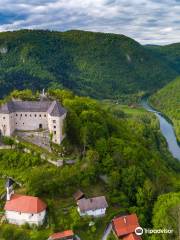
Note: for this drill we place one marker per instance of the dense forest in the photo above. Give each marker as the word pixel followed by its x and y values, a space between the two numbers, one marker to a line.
pixel 167 100
pixel 170 52
pixel 119 153
pixel 95 64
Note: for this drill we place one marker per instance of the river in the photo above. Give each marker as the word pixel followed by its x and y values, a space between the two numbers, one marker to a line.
pixel 166 129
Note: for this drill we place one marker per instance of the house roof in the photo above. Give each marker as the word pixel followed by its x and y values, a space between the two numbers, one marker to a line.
pixel 53 108
pixel 78 195
pixel 92 203
pixel 25 204
pixel 62 235
pixel 132 236
pixel 56 109
pixel 125 224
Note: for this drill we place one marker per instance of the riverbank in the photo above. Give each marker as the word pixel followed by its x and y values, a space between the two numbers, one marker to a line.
pixel 167 100
pixel 166 128
pixel 164 116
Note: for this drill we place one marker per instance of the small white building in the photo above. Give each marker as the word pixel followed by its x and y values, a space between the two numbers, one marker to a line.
pixel 21 209
pixel 32 116
pixel 92 206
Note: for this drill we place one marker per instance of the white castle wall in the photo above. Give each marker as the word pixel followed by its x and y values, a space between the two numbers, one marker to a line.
pixel 5 124
pixel 55 125
pixel 31 121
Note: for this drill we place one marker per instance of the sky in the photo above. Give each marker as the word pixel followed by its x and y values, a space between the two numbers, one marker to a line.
pixel 147 21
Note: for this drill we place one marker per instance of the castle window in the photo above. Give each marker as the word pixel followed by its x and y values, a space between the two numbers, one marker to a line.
pixel 54 126
pixel 30 115
pixel 21 114
pixel 25 115
pixel 23 123
pixel 35 115
pixel 55 132
pixel 4 118
pixel 54 121
pixel 16 114
pixel 16 123
pixel 39 115
pixel 45 115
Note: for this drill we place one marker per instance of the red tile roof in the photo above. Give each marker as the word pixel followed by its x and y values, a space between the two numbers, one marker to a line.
pixel 132 236
pixel 125 224
pixel 25 204
pixel 62 235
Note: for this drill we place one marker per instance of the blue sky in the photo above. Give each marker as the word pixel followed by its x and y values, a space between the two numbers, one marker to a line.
pixel 147 21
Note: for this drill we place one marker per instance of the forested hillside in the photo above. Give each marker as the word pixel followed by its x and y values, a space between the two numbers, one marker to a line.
pixel 171 53
pixel 94 64
pixel 167 100
pixel 119 153
pixel 166 214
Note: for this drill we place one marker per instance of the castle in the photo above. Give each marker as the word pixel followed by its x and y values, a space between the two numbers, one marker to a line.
pixel 33 116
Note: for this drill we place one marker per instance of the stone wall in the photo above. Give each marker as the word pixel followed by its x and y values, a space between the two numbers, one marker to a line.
pixel 28 121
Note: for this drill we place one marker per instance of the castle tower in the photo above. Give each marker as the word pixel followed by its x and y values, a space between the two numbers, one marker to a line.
pixel 9 188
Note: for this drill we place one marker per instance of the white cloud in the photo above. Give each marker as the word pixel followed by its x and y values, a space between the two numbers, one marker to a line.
pixel 148 21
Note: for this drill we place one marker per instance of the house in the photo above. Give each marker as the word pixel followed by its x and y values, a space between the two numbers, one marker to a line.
pixel 78 195
pixel 66 235
pixel 132 236
pixel 21 209
pixel 92 207
pixel 32 116
pixel 124 227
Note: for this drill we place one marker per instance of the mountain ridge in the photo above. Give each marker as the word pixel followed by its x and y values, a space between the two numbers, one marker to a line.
pixel 99 65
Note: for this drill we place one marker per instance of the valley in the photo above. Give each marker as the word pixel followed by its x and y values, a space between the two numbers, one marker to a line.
pixel 113 147
pixel 121 144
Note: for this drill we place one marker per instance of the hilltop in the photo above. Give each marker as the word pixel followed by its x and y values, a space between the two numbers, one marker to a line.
pixel 99 65
pixel 167 100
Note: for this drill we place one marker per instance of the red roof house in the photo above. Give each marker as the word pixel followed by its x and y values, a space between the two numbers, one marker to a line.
pixel 132 236
pixel 125 225
pixel 66 235
pixel 25 204
pixel 21 209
